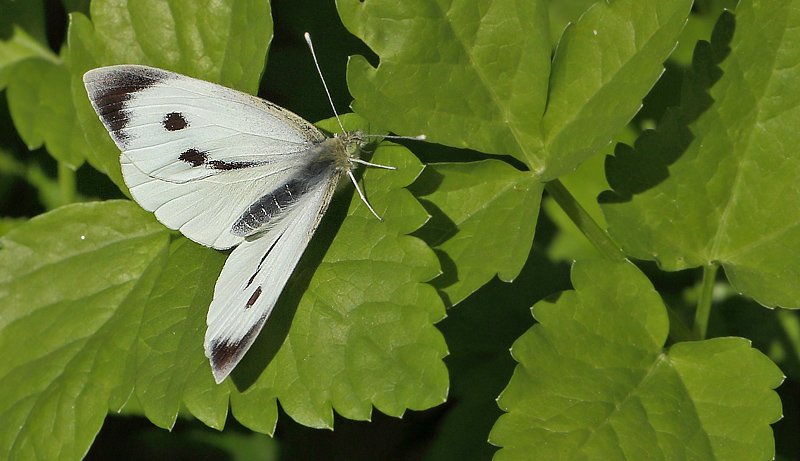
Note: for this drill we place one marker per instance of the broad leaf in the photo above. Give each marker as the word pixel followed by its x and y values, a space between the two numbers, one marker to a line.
pixel 363 333
pixel 471 83
pixel 594 381
pixel 491 88
pixel 72 286
pixel 726 193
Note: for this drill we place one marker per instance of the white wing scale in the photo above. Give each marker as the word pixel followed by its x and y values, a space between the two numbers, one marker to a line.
pixel 224 168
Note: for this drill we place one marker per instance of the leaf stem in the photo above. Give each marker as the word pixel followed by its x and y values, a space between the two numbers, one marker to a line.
pixel 66 183
pixel 704 305
pixel 584 222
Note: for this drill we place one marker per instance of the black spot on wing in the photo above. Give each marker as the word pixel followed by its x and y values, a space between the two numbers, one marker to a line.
pixel 253 298
pixel 197 157
pixel 223 165
pixel 175 121
pixel 194 157
pixel 263 258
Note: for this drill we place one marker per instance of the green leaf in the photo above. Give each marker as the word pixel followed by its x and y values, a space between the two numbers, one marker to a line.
pixel 604 65
pixel 171 367
pixel 19 47
pixel 40 101
pixel 479 335
pixel 474 84
pixel 363 333
pixel 488 225
pixel 72 284
pixel 595 382
pixel 223 42
pixel 449 72
pixel 724 193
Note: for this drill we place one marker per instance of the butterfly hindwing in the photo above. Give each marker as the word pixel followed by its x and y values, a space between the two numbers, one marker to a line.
pixel 254 275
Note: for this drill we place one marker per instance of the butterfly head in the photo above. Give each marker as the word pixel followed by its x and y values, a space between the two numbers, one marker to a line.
pixel 353 142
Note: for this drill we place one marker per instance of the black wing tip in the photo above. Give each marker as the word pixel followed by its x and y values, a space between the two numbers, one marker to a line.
pixel 115 80
pixel 109 89
pixel 223 356
pixel 102 74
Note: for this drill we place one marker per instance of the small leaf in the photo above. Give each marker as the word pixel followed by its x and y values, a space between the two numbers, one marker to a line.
pixel 490 213
pixel 19 47
pixel 595 382
pixel 40 101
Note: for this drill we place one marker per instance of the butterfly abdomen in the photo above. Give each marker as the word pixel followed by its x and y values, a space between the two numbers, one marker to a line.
pixel 324 163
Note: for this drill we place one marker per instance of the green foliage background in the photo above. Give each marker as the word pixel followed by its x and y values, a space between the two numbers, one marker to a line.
pixel 557 146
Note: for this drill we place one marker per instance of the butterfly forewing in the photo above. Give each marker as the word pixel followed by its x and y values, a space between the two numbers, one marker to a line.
pixel 187 144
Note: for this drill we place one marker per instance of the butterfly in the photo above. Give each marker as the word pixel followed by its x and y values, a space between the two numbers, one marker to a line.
pixel 226 169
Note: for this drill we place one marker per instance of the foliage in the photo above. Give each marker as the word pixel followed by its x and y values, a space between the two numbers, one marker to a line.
pixel 639 349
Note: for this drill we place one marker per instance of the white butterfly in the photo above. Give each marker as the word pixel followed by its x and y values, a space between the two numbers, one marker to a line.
pixel 226 169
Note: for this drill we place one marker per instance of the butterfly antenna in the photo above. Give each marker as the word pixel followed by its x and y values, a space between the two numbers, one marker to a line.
pixel 325 85
pixel 420 137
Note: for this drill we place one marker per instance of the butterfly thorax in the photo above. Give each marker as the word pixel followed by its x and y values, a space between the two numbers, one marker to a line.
pixel 338 150
pixel 327 160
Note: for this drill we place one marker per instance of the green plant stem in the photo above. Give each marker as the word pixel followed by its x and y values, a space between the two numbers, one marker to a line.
pixel 585 223
pixel 66 183
pixel 704 305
